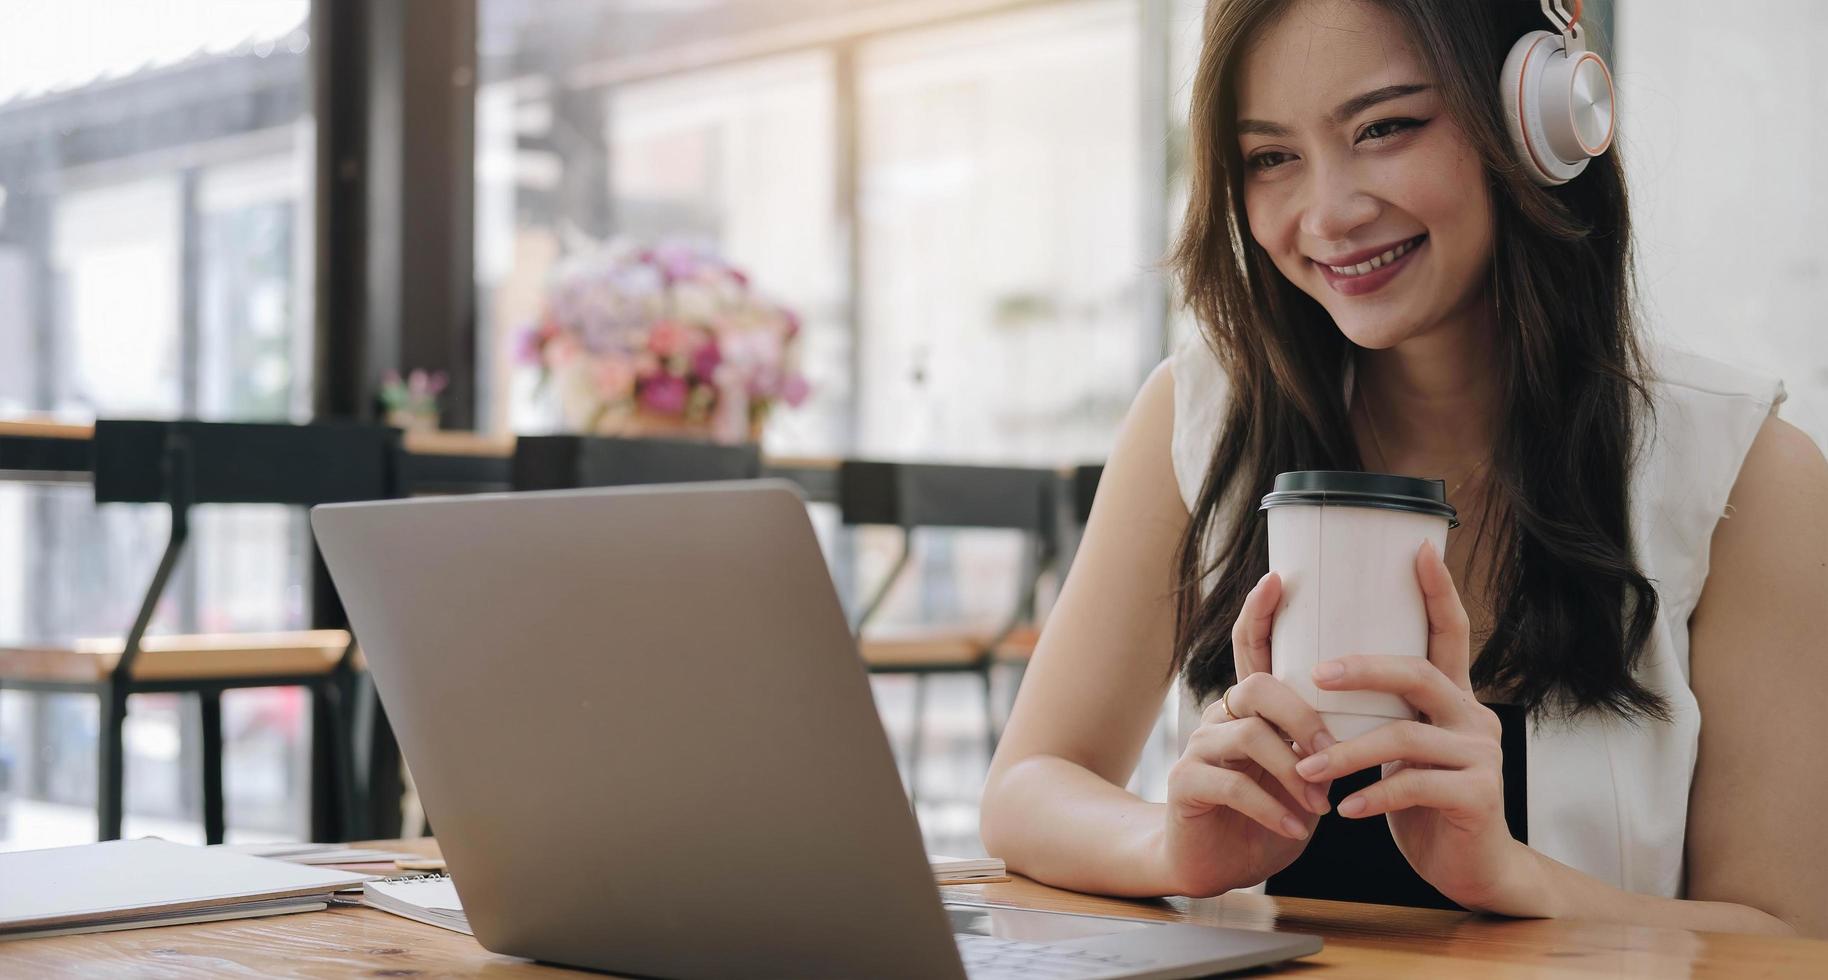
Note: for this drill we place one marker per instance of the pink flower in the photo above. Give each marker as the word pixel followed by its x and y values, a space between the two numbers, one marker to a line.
pixel 560 350
pixel 706 359
pixel 615 379
pixel 421 384
pixel 795 389
pixel 667 339
pixel 665 394
pixel 730 420
pixel 765 382
pixel 793 323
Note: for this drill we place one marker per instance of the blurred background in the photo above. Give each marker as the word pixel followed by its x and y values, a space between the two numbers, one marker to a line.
pixel 252 209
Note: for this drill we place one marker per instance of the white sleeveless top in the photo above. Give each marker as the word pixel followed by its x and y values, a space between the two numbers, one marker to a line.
pixel 1605 796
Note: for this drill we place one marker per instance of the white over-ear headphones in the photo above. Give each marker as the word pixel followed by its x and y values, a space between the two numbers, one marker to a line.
pixel 1557 98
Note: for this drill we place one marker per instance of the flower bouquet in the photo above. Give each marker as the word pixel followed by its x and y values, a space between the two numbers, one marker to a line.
pixel 670 340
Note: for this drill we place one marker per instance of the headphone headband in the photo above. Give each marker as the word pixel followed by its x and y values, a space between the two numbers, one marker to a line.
pixel 1559 16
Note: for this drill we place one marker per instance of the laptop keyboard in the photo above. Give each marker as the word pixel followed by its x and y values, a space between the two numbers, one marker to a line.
pixel 992 959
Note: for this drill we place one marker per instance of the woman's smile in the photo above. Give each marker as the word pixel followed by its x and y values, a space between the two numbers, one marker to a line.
pixel 1370 274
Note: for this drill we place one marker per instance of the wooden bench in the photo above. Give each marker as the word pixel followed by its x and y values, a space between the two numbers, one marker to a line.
pixel 179 657
pixel 927 647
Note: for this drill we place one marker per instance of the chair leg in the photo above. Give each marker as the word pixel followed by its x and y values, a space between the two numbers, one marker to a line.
pixel 326 820
pixel 337 696
pixel 110 763
pixel 382 776
pixel 990 712
pixel 209 704
pixel 918 727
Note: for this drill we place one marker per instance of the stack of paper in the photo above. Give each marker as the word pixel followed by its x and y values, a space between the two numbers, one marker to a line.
pixel 966 871
pixel 138 883
pixel 317 853
pixel 430 899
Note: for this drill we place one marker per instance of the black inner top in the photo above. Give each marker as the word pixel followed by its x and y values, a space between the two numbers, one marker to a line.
pixel 1358 861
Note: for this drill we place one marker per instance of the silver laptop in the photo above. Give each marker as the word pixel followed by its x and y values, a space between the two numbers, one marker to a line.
pixel 639 726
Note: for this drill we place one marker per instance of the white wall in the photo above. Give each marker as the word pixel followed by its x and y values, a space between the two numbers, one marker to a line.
pixel 1721 126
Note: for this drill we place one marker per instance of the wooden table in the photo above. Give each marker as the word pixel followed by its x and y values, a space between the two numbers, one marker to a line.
pixel 47 451
pixel 1361 941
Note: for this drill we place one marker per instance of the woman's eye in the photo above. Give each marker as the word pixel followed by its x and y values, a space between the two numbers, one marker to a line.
pixel 1388 127
pixel 1267 159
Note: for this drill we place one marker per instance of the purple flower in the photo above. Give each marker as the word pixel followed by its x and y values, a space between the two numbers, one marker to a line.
pixel 665 394
pixel 527 347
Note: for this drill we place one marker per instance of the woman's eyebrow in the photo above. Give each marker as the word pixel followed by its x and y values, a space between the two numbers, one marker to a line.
pixel 1347 109
pixel 1359 103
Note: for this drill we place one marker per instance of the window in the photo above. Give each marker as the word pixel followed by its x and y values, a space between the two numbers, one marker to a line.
pixel 1000 225
pixel 996 313
pixel 155 173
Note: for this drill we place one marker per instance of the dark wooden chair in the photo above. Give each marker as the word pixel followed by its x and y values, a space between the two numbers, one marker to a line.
pixel 567 462
pixel 911 497
pixel 1085 490
pixel 184 464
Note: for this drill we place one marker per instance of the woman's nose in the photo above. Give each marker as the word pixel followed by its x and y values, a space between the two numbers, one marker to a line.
pixel 1336 206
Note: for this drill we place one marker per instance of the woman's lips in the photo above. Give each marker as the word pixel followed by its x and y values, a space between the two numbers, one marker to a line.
pixel 1376 279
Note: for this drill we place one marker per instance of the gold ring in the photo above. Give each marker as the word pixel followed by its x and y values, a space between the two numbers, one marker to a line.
pixel 1225 702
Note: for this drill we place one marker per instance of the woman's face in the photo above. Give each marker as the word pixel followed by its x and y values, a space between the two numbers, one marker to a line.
pixel 1350 161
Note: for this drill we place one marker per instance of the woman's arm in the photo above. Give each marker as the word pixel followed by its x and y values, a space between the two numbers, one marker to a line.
pixel 1759 668
pixel 1758 664
pixel 1054 806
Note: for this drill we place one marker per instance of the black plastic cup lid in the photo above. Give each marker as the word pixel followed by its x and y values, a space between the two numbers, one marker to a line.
pixel 1340 488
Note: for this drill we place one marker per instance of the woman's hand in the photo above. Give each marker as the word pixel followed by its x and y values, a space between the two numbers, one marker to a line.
pixel 1443 777
pixel 1237 809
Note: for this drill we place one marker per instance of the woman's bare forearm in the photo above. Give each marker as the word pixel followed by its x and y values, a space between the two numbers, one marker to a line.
pixel 1570 894
pixel 1059 823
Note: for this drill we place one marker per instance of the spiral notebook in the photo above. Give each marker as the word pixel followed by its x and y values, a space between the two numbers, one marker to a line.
pixel 430 899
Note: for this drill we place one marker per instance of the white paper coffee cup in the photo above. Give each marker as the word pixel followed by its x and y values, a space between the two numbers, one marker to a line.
pixel 1345 546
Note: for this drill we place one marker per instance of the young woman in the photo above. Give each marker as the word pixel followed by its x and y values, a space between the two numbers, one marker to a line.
pixel 1642 544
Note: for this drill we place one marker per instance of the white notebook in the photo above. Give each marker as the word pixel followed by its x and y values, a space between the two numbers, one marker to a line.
pixel 305 853
pixel 430 899
pixel 130 884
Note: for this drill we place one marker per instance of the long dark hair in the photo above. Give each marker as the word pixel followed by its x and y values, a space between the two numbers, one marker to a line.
pixel 1573 611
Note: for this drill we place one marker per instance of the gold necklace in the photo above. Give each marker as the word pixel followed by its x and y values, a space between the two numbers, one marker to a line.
pixel 1383 461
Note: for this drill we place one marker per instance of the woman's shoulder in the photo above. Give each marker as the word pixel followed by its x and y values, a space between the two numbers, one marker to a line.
pixel 1706 415
pixel 1676 373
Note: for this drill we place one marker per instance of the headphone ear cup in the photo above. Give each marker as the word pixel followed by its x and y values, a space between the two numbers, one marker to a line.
pixel 1558 110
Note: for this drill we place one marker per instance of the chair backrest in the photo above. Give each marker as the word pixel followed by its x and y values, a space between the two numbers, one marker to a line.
pixel 1085 488
pixel 910 495
pixel 568 462
pixel 246 462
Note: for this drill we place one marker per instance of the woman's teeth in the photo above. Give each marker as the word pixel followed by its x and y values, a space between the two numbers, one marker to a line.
pixel 1376 262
